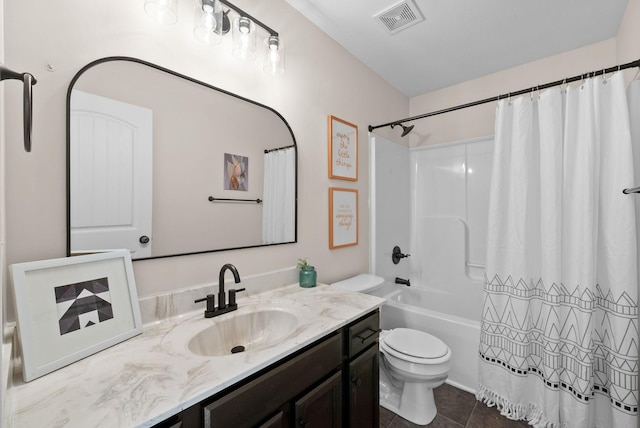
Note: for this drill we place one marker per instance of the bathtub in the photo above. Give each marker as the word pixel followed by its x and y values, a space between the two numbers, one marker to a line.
pixel 420 308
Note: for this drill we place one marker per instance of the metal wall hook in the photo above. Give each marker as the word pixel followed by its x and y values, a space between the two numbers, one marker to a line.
pixel 27 111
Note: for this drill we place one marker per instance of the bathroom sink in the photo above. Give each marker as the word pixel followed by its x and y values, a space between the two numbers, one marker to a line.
pixel 242 333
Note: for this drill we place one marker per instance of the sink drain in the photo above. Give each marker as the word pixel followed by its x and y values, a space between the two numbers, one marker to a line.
pixel 237 349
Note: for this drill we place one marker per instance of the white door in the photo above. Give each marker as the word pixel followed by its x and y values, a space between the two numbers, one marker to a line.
pixel 111 175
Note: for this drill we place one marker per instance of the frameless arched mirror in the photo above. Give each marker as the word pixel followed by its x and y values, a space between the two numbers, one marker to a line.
pixel 164 165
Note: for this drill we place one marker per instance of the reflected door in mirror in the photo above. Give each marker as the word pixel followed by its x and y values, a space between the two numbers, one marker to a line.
pixel 111 186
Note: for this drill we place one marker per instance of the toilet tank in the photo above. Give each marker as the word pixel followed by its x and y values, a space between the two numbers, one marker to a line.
pixel 363 283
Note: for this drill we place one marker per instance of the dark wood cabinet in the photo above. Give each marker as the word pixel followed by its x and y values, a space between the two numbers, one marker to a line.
pixel 276 421
pixel 364 389
pixel 258 399
pixel 322 406
pixel 329 384
pixel 361 372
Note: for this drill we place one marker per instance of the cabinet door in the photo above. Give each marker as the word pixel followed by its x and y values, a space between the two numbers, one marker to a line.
pixel 266 394
pixel 276 421
pixel 322 406
pixel 364 389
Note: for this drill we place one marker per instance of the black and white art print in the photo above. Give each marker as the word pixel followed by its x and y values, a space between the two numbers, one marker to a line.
pixel 70 308
pixel 83 304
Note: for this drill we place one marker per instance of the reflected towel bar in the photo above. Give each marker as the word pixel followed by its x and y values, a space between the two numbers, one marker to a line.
pixel 631 190
pixel 212 199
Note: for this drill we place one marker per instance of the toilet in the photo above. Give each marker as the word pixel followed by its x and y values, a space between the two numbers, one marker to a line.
pixel 412 363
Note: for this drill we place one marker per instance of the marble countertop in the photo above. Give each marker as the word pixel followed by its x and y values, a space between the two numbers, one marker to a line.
pixel 150 377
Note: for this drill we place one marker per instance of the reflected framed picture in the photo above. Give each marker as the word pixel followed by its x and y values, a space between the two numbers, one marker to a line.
pixel 343 217
pixel 236 172
pixel 72 307
pixel 343 149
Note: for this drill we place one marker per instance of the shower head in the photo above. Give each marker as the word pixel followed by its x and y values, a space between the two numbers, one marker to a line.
pixel 405 129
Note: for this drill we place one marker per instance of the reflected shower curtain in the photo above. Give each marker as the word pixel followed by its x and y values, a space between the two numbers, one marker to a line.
pixel 559 329
pixel 279 194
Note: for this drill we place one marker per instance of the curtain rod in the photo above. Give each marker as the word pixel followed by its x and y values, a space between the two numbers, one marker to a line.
pixel 279 148
pixel 632 64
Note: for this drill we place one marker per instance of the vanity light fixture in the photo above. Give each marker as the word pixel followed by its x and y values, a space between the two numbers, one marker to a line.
pixel 274 62
pixel 244 38
pixel 163 11
pixel 211 23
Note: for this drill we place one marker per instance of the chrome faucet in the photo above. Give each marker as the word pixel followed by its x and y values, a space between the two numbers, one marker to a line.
pixel 223 307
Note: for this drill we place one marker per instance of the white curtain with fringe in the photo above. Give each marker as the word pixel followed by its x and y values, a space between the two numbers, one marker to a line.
pixel 279 194
pixel 559 329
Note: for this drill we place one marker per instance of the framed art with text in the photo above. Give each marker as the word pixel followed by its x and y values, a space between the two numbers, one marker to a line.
pixel 343 217
pixel 343 149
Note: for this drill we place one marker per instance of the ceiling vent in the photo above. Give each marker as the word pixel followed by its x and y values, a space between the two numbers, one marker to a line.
pixel 400 16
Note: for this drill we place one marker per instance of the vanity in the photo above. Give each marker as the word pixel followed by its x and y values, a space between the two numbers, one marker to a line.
pixel 330 383
pixel 318 366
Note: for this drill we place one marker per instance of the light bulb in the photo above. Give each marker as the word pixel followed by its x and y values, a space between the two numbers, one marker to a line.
pixel 274 59
pixel 244 38
pixel 274 63
pixel 207 22
pixel 244 25
pixel 163 11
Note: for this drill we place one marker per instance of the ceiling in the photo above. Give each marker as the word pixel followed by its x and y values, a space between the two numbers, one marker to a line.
pixel 460 40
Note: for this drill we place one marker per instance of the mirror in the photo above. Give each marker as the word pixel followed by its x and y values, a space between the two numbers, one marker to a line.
pixel 166 165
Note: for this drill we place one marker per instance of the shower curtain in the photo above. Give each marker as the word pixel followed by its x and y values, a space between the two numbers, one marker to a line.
pixel 279 194
pixel 559 329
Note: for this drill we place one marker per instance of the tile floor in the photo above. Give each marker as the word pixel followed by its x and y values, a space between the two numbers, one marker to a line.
pixel 456 409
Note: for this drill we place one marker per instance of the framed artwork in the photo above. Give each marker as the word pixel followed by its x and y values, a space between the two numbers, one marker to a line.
pixel 72 307
pixel 236 172
pixel 343 149
pixel 343 217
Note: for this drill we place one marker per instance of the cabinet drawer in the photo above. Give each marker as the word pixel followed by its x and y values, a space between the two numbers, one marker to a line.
pixel 256 400
pixel 363 333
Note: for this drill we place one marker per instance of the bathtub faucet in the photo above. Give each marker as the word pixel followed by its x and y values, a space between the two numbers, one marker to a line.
pixel 396 255
pixel 403 281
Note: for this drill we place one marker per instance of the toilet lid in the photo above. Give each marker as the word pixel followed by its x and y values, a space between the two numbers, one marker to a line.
pixel 363 283
pixel 415 343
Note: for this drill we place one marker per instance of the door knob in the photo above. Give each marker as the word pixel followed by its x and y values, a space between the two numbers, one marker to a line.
pixel 144 239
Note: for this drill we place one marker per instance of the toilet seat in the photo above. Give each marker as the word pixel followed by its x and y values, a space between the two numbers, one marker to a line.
pixel 414 346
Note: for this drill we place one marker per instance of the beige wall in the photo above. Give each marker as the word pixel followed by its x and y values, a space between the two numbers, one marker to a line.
pixel 628 40
pixel 4 354
pixel 478 121
pixel 321 79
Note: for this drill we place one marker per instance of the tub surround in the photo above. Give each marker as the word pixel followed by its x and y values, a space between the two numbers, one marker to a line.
pixel 150 377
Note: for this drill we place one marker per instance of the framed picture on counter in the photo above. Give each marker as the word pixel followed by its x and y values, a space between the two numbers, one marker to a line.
pixel 343 149
pixel 343 217
pixel 72 307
